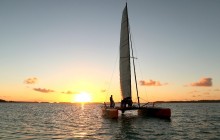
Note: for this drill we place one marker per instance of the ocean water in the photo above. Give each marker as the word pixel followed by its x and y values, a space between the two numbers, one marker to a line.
pixel 78 121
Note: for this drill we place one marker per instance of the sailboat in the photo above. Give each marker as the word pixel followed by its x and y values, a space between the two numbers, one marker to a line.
pixel 126 55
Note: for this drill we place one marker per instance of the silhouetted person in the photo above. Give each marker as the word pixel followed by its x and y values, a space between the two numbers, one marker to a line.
pixel 112 103
pixel 105 104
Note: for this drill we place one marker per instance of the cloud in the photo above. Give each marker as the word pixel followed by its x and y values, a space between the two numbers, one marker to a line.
pixel 31 80
pixel 194 91
pixel 43 90
pixel 103 90
pixel 151 83
pixel 68 92
pixel 5 97
pixel 204 82
pixel 217 90
pixel 196 96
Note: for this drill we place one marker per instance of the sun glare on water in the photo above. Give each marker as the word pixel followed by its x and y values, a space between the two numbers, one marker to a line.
pixel 82 97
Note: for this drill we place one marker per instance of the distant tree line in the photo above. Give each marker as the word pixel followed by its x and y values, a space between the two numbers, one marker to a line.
pixel 193 101
pixel 2 100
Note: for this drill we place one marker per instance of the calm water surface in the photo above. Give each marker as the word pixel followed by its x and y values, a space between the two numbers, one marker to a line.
pixel 76 121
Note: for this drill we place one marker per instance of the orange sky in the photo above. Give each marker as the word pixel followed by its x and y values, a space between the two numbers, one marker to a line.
pixel 53 50
pixel 29 90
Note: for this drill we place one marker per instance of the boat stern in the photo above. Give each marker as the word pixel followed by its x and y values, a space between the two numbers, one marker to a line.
pixel 111 113
pixel 164 113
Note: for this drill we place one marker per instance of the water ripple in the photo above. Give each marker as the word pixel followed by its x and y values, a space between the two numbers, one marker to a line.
pixel 76 121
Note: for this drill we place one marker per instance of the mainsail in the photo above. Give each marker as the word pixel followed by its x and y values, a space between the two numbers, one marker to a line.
pixel 125 71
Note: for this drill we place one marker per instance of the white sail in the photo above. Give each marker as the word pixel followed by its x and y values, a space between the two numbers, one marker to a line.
pixel 125 71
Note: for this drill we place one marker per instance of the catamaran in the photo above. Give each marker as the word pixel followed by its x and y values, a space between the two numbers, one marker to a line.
pixel 126 54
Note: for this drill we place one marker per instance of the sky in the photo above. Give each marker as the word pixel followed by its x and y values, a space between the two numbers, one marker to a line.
pixel 53 50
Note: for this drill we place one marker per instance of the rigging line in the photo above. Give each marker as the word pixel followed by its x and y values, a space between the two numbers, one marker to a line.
pixel 144 99
pixel 133 63
pixel 111 77
pixel 135 51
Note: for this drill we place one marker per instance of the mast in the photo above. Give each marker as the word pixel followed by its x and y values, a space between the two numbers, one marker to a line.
pixel 132 54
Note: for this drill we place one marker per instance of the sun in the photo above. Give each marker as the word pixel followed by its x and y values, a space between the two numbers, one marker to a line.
pixel 82 97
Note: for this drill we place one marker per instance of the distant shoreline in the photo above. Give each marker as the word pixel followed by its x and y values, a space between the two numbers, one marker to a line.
pixel 196 101
pixel 193 101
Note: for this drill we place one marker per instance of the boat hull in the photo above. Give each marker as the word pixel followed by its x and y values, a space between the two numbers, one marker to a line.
pixel 111 113
pixel 164 113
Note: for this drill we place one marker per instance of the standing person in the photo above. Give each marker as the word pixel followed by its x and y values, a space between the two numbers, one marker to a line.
pixel 112 103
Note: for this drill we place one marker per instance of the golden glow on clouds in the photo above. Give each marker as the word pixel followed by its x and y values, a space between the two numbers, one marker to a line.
pixel 204 82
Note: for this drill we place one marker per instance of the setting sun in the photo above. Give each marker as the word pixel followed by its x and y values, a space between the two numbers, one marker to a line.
pixel 82 97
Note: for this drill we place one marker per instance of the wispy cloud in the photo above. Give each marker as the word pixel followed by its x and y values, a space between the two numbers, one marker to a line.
pixel 196 96
pixel 206 93
pixel 151 83
pixel 217 90
pixel 204 82
pixel 194 91
pixel 103 90
pixel 68 92
pixel 43 90
pixel 5 97
pixel 31 80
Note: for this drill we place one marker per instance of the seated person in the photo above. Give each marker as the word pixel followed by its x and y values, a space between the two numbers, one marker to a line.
pixel 126 101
